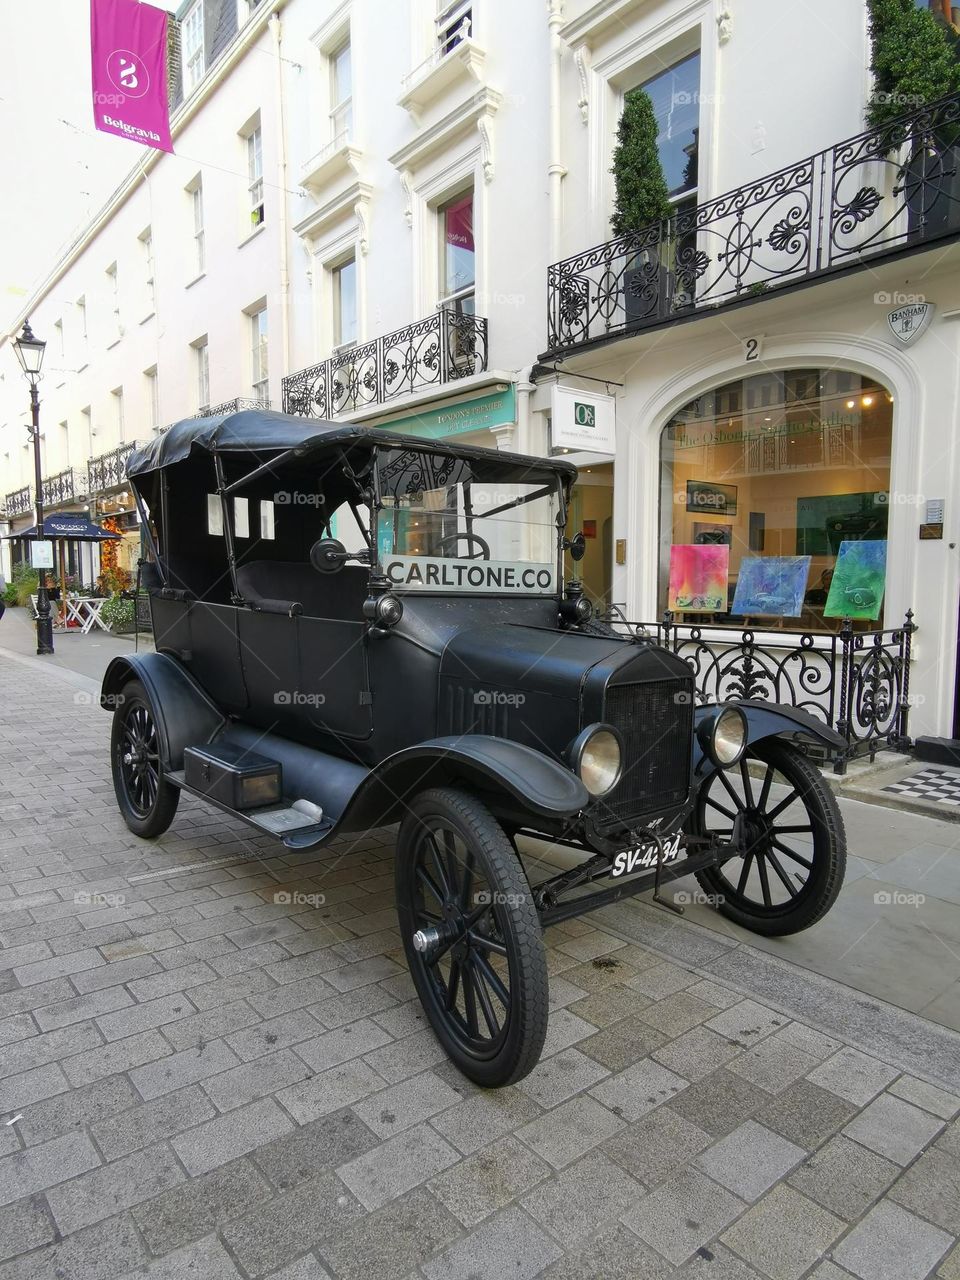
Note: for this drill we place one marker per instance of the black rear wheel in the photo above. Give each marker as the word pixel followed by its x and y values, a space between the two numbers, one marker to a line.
pixel 472 936
pixel 785 818
pixel 147 801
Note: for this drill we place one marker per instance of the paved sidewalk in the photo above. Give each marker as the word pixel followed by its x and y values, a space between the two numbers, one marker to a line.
pixel 213 1066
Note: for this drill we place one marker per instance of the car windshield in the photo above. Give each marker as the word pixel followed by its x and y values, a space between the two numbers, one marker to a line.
pixel 462 525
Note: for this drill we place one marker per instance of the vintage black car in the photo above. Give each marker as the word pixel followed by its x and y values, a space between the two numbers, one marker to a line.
pixel 355 628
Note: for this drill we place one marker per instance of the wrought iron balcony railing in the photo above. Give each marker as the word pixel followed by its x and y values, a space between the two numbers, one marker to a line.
pixel 109 470
pixel 65 486
pixel 232 406
pixel 445 346
pixel 19 502
pixel 885 191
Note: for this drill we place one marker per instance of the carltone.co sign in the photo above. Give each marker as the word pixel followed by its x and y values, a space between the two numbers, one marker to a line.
pixel 128 46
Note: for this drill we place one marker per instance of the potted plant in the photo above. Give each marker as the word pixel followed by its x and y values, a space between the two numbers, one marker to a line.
pixel 914 61
pixel 642 206
pixel 120 614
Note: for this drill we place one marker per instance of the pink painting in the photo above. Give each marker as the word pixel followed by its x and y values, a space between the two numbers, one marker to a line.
pixel 698 579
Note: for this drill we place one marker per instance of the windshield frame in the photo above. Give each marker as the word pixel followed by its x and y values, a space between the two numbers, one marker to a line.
pixel 549 480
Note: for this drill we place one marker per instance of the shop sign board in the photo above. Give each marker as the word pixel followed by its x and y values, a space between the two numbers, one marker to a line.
pixel 480 413
pixel 583 421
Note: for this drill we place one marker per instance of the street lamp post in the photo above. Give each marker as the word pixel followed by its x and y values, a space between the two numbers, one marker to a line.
pixel 30 354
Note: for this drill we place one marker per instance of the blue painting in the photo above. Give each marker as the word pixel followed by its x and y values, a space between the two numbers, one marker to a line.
pixel 771 585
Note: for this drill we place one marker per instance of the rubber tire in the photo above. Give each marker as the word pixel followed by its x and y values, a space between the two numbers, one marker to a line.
pixel 826 878
pixel 529 987
pixel 168 796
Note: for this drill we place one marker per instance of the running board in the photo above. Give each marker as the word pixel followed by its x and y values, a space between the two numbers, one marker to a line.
pixel 296 830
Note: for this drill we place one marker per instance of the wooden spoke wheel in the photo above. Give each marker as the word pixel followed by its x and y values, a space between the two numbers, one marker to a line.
pixel 784 818
pixel 472 936
pixel 147 801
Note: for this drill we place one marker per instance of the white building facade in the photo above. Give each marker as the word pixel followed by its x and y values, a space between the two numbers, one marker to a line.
pixel 400 213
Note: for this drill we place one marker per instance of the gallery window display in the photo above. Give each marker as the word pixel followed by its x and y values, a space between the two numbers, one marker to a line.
pixel 774 496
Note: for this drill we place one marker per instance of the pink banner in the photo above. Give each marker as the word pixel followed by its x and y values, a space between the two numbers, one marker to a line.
pixel 128 43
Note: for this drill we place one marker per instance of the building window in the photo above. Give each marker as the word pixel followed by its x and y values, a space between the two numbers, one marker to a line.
pixel 191 38
pixel 199 240
pixel 341 93
pixel 675 94
pixel 149 278
pixel 81 305
pixel 117 398
pixel 766 469
pixel 113 285
pixel 454 24
pixel 86 427
pixel 153 397
pixel 255 175
pixel 58 338
pixel 202 358
pixel 258 348
pixel 345 304
pixel 458 272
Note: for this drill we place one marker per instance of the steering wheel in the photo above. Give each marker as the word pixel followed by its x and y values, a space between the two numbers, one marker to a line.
pixel 482 554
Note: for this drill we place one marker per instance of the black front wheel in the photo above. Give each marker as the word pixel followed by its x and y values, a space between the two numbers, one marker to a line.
pixel 785 820
pixel 148 802
pixel 472 936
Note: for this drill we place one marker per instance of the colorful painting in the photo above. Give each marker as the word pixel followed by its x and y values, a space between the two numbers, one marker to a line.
pixel 859 577
pixel 772 585
pixel 698 579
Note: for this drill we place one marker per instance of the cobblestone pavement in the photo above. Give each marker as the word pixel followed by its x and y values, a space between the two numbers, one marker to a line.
pixel 213 1066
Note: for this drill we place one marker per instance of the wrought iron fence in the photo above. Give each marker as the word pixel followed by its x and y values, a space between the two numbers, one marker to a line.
pixel 444 347
pixel 232 406
pixel 858 682
pixel 109 470
pixel 19 502
pixel 887 189
pixel 65 486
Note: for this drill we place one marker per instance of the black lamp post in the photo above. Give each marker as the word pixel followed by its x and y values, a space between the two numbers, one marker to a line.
pixel 30 354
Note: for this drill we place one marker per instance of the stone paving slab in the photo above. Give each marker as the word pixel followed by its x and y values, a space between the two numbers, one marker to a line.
pixel 200 1081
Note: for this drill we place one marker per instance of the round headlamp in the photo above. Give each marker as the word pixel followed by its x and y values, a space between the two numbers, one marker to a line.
pixel 596 755
pixel 723 736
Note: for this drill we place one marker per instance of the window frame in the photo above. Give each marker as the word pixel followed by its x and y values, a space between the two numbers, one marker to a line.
pixel 201 347
pixel 255 186
pixel 341 343
pixel 451 18
pixel 340 106
pixel 454 299
pixel 259 352
pixel 192 23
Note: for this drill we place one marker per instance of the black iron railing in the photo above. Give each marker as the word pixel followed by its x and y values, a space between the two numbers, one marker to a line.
pixel 858 682
pixel 232 406
pixel 444 347
pixel 18 502
pixel 109 470
pixel 886 190
pixel 64 487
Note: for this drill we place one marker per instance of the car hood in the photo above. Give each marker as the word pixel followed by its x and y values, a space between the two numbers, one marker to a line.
pixel 545 660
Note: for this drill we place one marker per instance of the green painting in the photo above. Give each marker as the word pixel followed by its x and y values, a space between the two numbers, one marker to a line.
pixel 856 590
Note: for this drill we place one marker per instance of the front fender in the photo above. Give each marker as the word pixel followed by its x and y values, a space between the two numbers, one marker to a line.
pixel 184 713
pixel 526 777
pixel 770 720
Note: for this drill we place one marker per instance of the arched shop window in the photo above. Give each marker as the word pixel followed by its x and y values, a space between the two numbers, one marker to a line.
pixel 774 497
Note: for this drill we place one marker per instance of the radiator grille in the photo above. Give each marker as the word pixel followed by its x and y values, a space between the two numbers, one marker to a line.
pixel 656 721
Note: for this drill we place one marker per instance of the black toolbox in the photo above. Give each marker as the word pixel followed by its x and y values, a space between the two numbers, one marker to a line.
pixel 232 775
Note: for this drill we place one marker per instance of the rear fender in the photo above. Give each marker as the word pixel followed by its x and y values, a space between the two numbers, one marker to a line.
pixel 183 712
pixel 508 774
pixel 769 720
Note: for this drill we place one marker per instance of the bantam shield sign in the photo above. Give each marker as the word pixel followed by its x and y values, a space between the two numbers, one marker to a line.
pixel 909 322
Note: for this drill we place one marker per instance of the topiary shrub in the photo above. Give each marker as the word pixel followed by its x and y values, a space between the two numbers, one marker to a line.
pixel 914 59
pixel 641 189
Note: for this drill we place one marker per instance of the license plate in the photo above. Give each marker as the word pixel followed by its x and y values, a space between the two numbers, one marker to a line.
pixel 644 856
